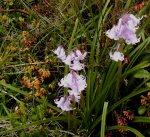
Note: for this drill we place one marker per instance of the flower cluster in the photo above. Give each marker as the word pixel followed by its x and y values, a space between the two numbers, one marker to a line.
pixel 126 30
pixel 73 81
pixel 73 59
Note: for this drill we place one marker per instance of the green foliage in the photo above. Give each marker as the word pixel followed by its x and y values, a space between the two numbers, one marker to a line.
pixel 142 74
pixel 141 110
pixel 29 72
pixel 103 123
pixel 127 128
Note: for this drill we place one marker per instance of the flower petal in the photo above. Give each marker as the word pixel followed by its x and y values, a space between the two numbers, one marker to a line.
pixel 60 52
pixel 64 103
pixel 116 56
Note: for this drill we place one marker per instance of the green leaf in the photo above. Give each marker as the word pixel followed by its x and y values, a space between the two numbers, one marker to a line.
pixel 32 124
pixel 142 74
pixel 12 88
pixel 148 84
pixel 10 3
pixel 28 1
pixel 133 130
pixel 104 114
pixel 21 19
pixel 142 119
pixel 128 2
pixel 111 108
pixel 139 66
pixel 141 110
pixel 135 54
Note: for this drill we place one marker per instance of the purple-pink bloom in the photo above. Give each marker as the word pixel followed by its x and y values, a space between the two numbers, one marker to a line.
pixel 64 103
pixel 125 29
pixel 79 55
pixel 72 80
pixel 116 56
pixel 75 83
pixel 73 60
pixel 66 81
pixel 130 20
pixel 75 94
pixel 60 52
pixel 69 59
pixel 128 35
pixel 76 65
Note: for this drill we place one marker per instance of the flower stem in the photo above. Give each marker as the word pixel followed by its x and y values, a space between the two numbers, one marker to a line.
pixel 75 119
pixel 118 80
pixel 119 73
pixel 71 42
pixel 68 120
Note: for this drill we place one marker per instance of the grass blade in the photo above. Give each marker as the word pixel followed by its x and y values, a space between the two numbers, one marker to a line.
pixel 12 88
pixel 142 119
pixel 104 114
pixel 133 130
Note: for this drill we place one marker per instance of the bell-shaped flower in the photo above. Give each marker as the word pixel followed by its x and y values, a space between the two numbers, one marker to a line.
pixel 66 81
pixel 79 55
pixel 60 52
pixel 73 60
pixel 80 82
pixel 116 56
pixel 73 80
pixel 130 20
pixel 69 59
pixel 113 33
pixel 128 35
pixel 76 65
pixel 64 103
pixel 75 95
pixel 125 29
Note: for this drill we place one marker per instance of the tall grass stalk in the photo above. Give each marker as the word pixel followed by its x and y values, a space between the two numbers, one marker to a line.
pixel 103 123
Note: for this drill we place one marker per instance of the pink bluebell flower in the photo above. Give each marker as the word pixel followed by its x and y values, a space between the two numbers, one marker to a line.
pixel 66 81
pixel 75 94
pixel 69 59
pixel 73 60
pixel 75 83
pixel 125 29
pixel 60 52
pixel 72 80
pixel 79 55
pixel 64 103
pixel 76 65
pixel 116 56
pixel 130 20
